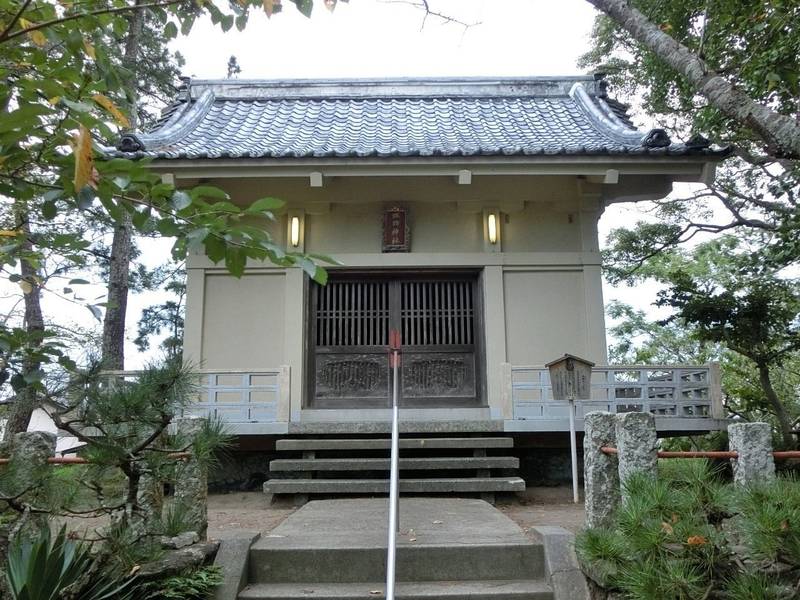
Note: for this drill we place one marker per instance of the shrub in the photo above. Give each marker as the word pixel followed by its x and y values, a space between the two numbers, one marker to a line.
pixel 44 568
pixel 686 533
pixel 197 584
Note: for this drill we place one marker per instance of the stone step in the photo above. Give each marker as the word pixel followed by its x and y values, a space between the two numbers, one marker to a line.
pixel 273 562
pixel 381 486
pixel 385 443
pixel 382 464
pixel 434 590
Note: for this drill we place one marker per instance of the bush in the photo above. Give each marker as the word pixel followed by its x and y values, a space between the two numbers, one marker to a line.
pixel 44 568
pixel 686 533
pixel 197 584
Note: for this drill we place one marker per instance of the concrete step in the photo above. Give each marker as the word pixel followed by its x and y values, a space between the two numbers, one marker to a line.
pixel 382 464
pixel 434 590
pixel 271 563
pixel 381 486
pixel 385 443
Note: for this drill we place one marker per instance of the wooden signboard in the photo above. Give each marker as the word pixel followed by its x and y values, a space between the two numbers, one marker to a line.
pixel 396 233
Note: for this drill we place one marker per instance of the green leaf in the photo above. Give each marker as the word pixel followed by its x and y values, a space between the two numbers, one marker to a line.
pixel 207 191
pixel 215 248
pixel 196 237
pixel 304 6
pixel 181 200
pixel 170 30
pixel 235 260
pixel 168 227
pixel 49 210
pixel 264 204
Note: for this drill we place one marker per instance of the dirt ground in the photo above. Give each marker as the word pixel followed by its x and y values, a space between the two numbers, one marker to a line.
pixel 255 510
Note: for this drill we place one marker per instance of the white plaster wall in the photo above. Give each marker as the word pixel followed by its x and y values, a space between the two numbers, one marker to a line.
pixel 546 316
pixel 243 321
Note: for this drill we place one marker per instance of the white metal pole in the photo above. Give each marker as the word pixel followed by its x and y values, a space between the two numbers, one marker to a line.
pixel 394 477
pixel 573 448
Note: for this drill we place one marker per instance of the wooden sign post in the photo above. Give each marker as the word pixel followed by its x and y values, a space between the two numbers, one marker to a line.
pixel 571 379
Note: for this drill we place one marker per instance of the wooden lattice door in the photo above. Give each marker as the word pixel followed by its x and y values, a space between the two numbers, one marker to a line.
pixel 438 317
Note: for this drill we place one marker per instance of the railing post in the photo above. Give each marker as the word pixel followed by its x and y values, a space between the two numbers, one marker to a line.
pixel 600 476
pixel 715 390
pixel 507 408
pixel 753 443
pixel 637 445
pixel 284 398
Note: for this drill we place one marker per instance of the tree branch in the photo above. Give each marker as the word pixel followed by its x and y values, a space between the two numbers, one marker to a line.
pixel 781 133
pixel 6 36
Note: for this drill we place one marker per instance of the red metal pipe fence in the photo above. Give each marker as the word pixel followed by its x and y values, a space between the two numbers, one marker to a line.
pixel 77 460
pixel 778 454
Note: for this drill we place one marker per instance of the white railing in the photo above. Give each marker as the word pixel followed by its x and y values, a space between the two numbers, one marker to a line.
pixel 234 396
pixel 675 391
pixel 239 396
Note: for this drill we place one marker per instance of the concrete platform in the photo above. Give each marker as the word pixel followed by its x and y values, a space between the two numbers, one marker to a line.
pixel 361 523
pixel 447 485
pixel 448 548
pixel 439 590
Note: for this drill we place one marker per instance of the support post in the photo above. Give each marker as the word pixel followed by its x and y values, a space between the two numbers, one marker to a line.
pixel 191 483
pixel 753 443
pixel 600 475
pixel 573 451
pixel 637 446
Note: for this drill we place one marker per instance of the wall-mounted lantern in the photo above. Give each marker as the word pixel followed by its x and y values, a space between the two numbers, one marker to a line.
pixel 492 235
pixel 571 379
pixel 295 235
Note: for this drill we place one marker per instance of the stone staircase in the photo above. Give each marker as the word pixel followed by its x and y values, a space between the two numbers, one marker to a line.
pixel 447 549
pixel 428 465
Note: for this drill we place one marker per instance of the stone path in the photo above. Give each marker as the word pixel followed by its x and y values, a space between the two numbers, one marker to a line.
pixel 253 510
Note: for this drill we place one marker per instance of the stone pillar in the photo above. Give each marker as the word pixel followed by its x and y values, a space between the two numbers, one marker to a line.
pixel 150 498
pixel 28 452
pixel 191 483
pixel 637 445
pixel 753 442
pixel 600 476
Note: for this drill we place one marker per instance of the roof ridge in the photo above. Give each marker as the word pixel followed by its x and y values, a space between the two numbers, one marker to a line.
pixel 464 87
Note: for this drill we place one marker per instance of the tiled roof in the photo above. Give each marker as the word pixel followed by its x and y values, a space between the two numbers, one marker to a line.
pixel 396 118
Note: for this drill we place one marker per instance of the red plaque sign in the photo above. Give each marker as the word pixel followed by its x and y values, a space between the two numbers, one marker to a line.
pixel 396 234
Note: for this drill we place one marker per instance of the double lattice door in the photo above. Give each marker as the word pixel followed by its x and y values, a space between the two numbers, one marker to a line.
pixel 438 317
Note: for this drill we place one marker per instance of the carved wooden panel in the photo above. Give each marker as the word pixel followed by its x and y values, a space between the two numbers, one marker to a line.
pixel 351 376
pixel 439 375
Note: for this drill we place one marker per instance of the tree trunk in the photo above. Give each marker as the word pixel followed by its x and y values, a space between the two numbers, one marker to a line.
pixel 122 245
pixel 27 399
pixel 784 421
pixel 781 133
